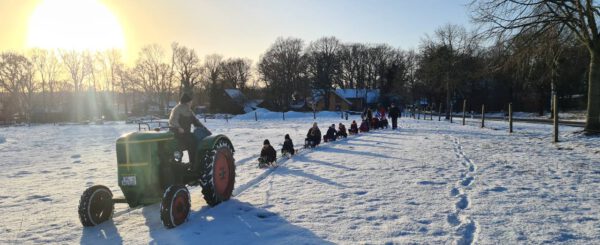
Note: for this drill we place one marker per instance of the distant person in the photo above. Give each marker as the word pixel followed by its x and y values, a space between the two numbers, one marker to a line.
pixel 288 146
pixel 353 128
pixel 369 117
pixel 342 131
pixel 313 137
pixel 331 134
pixel 394 114
pixel 364 126
pixel 180 122
pixel 375 123
pixel 383 123
pixel 268 155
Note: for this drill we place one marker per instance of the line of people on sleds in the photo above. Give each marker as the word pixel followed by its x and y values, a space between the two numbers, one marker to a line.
pixel 268 155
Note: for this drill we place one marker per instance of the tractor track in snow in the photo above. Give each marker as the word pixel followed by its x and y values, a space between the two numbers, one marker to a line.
pixel 466 228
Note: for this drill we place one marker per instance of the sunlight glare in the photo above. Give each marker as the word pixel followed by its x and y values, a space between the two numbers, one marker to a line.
pixel 74 24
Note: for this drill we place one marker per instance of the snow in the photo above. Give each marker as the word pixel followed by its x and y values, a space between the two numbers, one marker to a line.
pixel 2 139
pixel 430 182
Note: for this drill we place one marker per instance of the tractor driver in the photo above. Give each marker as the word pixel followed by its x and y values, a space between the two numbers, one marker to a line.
pixel 180 121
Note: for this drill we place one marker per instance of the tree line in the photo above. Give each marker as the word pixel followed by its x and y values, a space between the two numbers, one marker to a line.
pixel 60 85
pixel 528 50
pixel 450 65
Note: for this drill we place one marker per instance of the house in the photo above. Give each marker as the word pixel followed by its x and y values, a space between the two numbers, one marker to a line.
pixel 235 102
pixel 360 98
pixel 336 101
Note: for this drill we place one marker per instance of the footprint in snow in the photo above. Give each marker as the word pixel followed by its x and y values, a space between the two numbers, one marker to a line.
pixel 499 189
pixel 360 193
pixel 76 156
pixel 462 203
pixel 454 192
pixel 428 182
pixel 424 221
pixel 466 182
pixel 453 219
pixel 40 197
pixel 21 174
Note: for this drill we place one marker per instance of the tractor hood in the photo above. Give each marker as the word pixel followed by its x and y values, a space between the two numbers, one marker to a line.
pixel 143 137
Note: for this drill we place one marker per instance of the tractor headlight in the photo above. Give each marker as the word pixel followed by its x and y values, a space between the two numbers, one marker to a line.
pixel 178 155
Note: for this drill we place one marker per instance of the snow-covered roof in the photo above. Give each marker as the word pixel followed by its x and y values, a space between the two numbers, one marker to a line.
pixel 240 99
pixel 235 94
pixel 372 95
pixel 251 105
pixel 317 95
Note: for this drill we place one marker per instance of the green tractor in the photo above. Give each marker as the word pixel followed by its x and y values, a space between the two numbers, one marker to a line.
pixel 151 170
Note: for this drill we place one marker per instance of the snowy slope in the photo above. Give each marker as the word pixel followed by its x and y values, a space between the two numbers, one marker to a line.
pixel 430 182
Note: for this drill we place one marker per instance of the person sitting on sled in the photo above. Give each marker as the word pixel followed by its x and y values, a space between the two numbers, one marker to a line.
pixel 375 123
pixel 353 128
pixel 288 146
pixel 331 134
pixel 364 126
pixel 342 131
pixel 268 155
pixel 313 137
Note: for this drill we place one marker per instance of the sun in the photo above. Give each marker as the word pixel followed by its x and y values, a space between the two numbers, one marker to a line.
pixel 74 25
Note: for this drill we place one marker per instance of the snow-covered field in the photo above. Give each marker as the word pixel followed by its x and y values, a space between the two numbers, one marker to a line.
pixel 430 182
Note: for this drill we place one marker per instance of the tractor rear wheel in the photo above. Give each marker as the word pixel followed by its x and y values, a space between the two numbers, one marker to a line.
pixel 219 173
pixel 95 205
pixel 175 206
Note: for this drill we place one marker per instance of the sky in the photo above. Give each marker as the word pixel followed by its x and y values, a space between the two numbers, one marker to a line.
pixel 246 28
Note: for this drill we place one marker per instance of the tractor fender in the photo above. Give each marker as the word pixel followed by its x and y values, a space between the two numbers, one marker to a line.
pixel 209 142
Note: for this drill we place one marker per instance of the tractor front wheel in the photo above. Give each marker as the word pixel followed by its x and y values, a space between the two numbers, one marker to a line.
pixel 219 173
pixel 95 205
pixel 175 206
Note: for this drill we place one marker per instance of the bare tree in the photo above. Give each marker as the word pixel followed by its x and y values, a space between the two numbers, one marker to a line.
pixel 512 17
pixel 283 68
pixel 76 67
pixel 111 62
pixel 187 66
pixel 47 67
pixel 324 65
pixel 235 73
pixel 153 75
pixel 453 42
pixel 212 71
pixel 353 60
pixel 16 77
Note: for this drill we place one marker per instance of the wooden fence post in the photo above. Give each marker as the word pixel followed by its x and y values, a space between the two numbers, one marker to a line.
pixel 440 113
pixel 418 114
pixel 555 112
pixel 451 110
pixel 464 110
pixel 510 118
pixel 482 116
pixel 431 113
pixel 255 116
